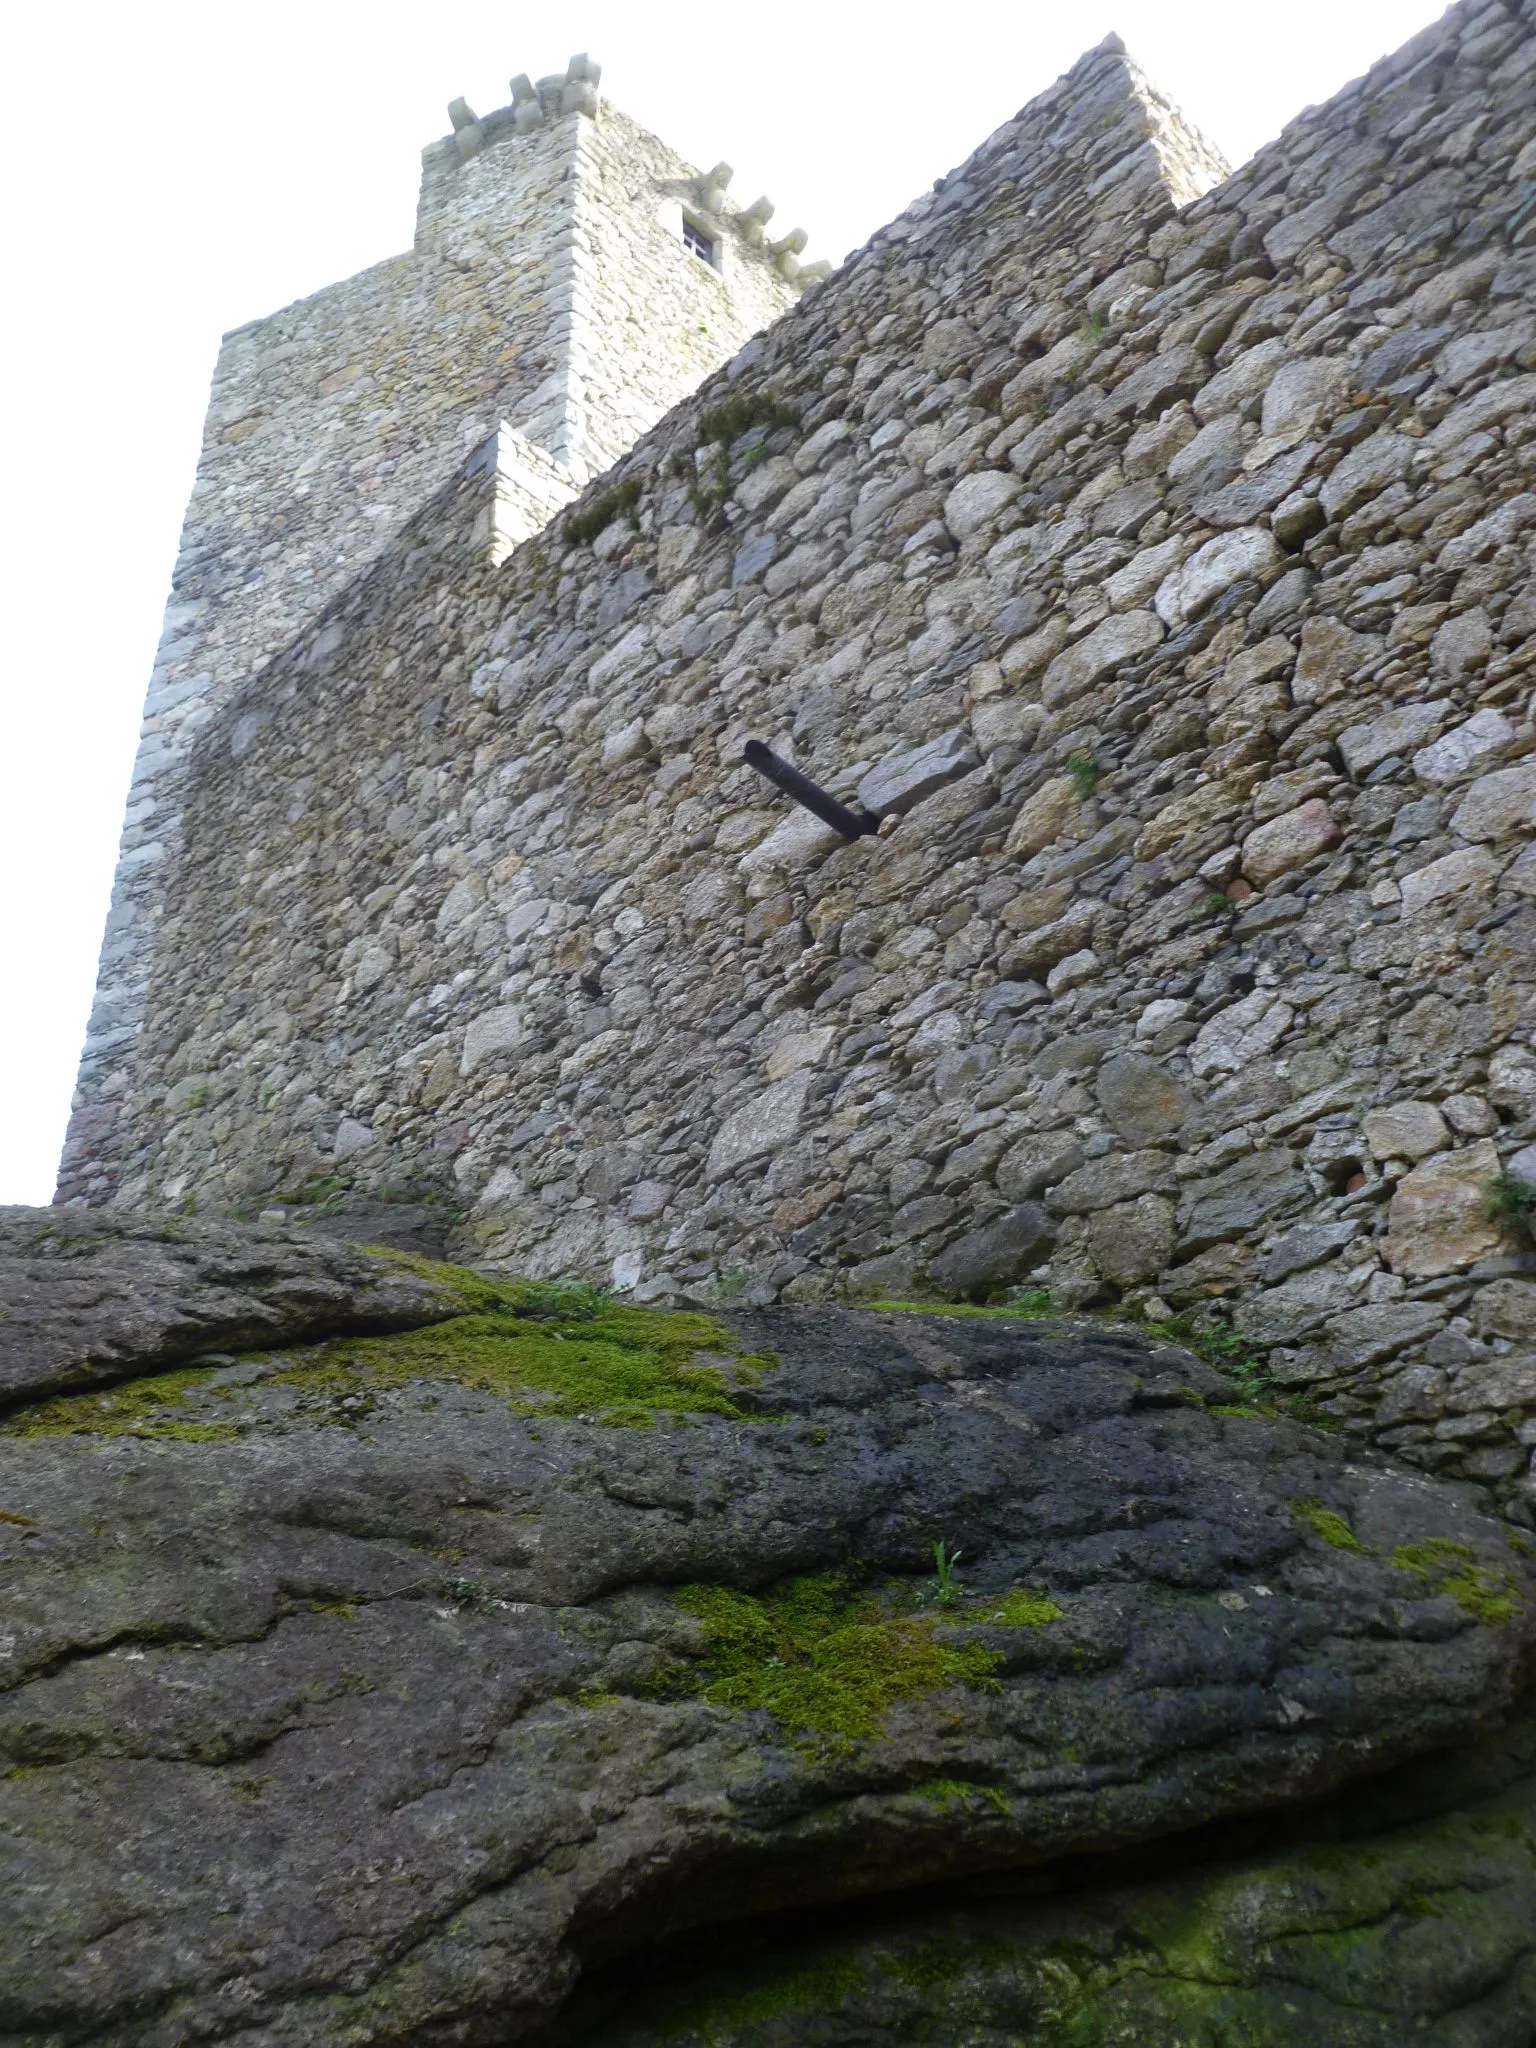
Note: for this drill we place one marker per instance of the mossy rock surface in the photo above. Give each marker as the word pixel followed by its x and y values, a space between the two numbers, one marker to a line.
pixel 372 1688
pixel 1424 1933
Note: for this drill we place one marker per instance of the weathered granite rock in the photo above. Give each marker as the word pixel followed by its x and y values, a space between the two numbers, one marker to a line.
pixel 369 1693
pixel 1404 1912
pixel 86 1298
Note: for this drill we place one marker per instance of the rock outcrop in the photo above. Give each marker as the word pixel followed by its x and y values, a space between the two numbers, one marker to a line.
pixel 376 1689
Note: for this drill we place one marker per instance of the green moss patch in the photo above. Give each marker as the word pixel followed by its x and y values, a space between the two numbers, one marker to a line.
pixel 593 1357
pixel 1028 1307
pixel 1490 1597
pixel 822 1658
pixel 569 1350
pixel 1332 1528
pixel 1018 1609
pixel 149 1407
pixel 959 1792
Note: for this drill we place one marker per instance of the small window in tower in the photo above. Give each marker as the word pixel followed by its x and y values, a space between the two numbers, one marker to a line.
pixel 694 238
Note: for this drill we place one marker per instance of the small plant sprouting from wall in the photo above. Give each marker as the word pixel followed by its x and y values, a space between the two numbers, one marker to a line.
pixel 737 416
pixel 1511 1203
pixel 720 426
pixel 1086 770
pixel 584 526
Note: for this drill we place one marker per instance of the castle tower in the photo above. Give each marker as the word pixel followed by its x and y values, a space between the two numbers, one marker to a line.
pixel 572 279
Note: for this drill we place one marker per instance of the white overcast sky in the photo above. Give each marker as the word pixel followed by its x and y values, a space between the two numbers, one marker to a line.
pixel 175 169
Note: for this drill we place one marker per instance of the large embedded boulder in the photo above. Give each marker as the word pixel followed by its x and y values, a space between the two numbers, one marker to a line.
pixel 375 1690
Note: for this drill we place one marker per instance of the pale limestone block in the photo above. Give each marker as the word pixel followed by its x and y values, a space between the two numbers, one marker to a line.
pixel 1239 1034
pixel 797 840
pixel 1380 459
pixel 1330 660
pixel 1229 558
pixel 591 1053
pixel 1464 749
pixel 1507 1308
pixel 1073 971
pixel 1472 867
pixel 800 1049
pixel 1495 402
pixel 493 1031
pixel 1134 584
pixel 1054 810
pixel 771 1119
pixel 1470 1116
pixel 1438 1221
pixel 1520 875
pixel 1463 643
pixel 1398 731
pixel 1024 658
pixel 1005 722
pixel 352 1136
pixel 1153 446
pixel 1133 1241
pixel 1406 1130
pixel 1300 393
pixel 897 784
pixel 1499 804
pixel 1512 1079
pixel 1243 378
pixel 976 501
pixel 1289 842
pixel 1113 642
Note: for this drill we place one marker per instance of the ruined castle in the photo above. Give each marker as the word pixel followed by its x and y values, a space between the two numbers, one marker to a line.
pixel 1148 546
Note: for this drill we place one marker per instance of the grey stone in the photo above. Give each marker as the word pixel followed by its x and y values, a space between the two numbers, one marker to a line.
pixel 1398 731
pixel 1141 1098
pixel 1366 1336
pixel 1283 1314
pixel 771 1119
pixel 1308 1246
pixel 1246 551
pixel 1065 1955
pixel 753 559
pixel 88 1297
pixel 1036 1163
pixel 1133 1241
pixel 1237 1199
pixel 899 783
pixel 983 1261
pixel 1118 1177
pixel 1507 1308
pixel 976 501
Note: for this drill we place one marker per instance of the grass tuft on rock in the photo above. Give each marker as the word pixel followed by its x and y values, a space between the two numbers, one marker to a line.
pixel 823 1658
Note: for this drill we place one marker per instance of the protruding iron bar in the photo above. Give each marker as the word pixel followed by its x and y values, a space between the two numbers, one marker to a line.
pixel 852 824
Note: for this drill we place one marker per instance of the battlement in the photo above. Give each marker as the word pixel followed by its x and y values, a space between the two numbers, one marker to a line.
pixel 697 208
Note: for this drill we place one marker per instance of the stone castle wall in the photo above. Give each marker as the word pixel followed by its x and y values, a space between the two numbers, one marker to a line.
pixel 1167 577
pixel 549 288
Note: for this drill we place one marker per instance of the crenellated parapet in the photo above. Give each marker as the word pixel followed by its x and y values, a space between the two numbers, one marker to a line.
pixel 701 198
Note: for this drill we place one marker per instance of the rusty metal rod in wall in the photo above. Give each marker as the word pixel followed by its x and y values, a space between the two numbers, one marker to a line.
pixel 852 824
